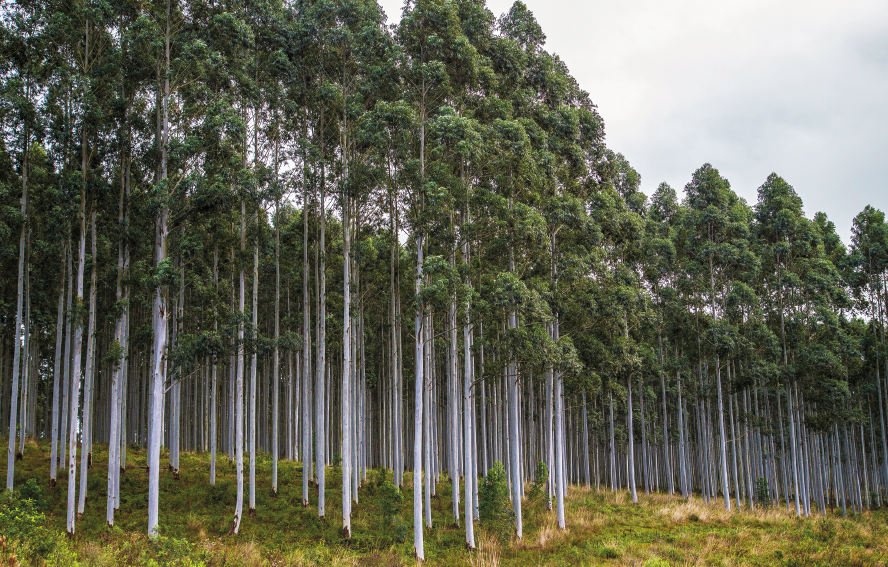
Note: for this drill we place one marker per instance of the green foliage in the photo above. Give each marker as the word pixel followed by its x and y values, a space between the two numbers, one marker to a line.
pixel 166 550
pixel 538 490
pixel 22 519
pixel 494 507
pixel 762 494
pixel 387 505
pixel 32 491
pixel 606 552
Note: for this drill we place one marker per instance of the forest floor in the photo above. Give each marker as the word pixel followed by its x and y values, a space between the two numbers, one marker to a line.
pixel 603 528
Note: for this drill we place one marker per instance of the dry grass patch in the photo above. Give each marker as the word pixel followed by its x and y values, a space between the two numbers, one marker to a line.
pixel 488 552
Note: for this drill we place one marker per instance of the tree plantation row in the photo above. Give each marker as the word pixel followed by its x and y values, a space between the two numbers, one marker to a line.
pixel 293 228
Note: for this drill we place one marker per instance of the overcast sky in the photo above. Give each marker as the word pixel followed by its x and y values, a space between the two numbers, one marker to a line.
pixel 795 87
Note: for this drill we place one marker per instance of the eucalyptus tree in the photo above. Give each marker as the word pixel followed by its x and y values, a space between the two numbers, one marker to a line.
pixel 182 58
pixel 622 228
pixel 352 34
pixel 868 274
pixel 462 138
pixel 27 52
pixel 432 47
pixel 780 228
pixel 132 73
pixel 717 240
pixel 660 272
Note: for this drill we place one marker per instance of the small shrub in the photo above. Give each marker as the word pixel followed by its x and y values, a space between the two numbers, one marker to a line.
pixel 19 518
pixel 538 489
pixel 762 493
pixel 63 555
pixel 221 493
pixel 165 550
pixel 22 518
pixel 608 552
pixel 694 518
pixel 494 507
pixel 387 507
pixel 825 530
pixel 32 491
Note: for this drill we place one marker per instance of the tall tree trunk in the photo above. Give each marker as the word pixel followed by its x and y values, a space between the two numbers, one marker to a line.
pixel 86 433
pixel 631 444
pixel 16 341
pixel 254 371
pixel 667 460
pixel 471 476
pixel 419 392
pixel 57 373
pixel 321 366
pixel 306 335
pixel 161 310
pixel 239 383
pixel 214 378
pixel 275 417
pixel 347 346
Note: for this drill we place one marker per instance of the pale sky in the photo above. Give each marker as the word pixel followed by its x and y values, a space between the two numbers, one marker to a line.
pixel 795 87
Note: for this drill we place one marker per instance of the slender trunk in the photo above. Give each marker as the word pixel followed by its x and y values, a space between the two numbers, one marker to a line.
pixel 550 433
pixel 470 474
pixel 86 433
pixel 644 453
pixel 667 459
pixel 239 383
pixel 631 444
pixel 346 371
pixel 214 386
pixel 418 410
pixel 57 373
pixel 275 416
pixel 306 337
pixel 321 366
pixel 586 443
pixel 560 476
pixel 16 341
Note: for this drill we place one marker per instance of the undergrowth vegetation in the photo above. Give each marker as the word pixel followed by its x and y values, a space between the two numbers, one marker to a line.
pixel 603 527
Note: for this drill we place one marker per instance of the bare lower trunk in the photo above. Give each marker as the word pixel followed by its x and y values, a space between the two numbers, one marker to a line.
pixel 57 373
pixel 86 433
pixel 418 410
pixel 239 387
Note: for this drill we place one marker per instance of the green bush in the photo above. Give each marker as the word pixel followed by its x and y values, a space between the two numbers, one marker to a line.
pixel 538 489
pixel 221 493
pixel 22 518
pixel 608 553
pixel 762 493
pixel 32 491
pixel 19 518
pixel 165 550
pixel 494 507
pixel 388 502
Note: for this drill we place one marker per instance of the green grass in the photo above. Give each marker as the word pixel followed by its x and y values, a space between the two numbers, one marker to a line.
pixel 603 528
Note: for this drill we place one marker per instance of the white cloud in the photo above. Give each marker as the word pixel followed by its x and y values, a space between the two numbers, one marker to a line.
pixel 751 86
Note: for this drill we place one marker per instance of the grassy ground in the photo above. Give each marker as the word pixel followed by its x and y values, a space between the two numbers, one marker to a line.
pixel 603 528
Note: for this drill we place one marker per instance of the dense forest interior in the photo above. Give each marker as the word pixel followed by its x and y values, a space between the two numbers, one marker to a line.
pixel 298 231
